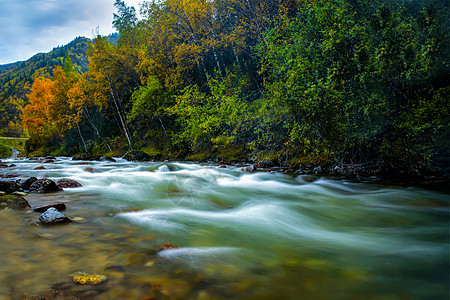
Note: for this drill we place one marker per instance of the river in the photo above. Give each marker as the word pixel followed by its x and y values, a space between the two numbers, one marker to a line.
pixel 240 236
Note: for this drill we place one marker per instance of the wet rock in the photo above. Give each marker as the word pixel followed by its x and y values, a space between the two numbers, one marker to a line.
pixel 6 212
pixel 83 164
pixel 265 164
pixel 68 183
pixel 27 183
pixel 250 169
pixel 12 165
pixel 223 167
pixel 14 202
pixel 50 157
pixel 44 186
pixel 58 206
pixel 8 176
pixel 53 216
pixel 107 158
pixel 318 170
pixel 137 155
pixel 167 246
pixel 34 158
pixel 167 168
pixel 46 161
pixel 2 193
pixel 8 186
pixel 3 166
pixel 86 157
pixel 84 278
pixel 40 168
pixel 19 194
pixel 90 170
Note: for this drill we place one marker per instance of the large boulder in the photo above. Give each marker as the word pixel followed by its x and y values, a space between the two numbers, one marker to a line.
pixel 53 216
pixel 68 183
pixel 88 157
pixel 44 186
pixel 137 155
pixel 8 186
pixel 14 202
pixel 27 183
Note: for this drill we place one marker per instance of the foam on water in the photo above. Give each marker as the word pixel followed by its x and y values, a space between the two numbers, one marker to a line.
pixel 229 217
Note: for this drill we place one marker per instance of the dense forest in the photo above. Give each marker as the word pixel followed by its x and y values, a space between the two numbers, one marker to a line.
pixel 329 82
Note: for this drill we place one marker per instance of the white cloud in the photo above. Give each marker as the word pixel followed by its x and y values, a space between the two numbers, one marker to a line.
pixel 28 27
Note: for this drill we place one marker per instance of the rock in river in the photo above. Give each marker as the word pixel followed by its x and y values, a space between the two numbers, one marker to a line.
pixel 44 186
pixel 107 158
pixel 250 169
pixel 14 202
pixel 137 155
pixel 8 186
pixel 27 183
pixel 53 216
pixel 68 183
pixel 86 157
pixel 58 206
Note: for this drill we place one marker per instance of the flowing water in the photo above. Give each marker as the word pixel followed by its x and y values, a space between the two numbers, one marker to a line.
pixel 240 236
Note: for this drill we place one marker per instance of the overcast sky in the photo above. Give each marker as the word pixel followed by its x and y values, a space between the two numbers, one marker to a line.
pixel 28 27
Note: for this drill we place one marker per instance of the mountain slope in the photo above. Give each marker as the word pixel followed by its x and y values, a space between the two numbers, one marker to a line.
pixel 17 78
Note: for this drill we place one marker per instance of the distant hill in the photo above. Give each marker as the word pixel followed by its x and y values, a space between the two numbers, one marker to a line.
pixel 16 78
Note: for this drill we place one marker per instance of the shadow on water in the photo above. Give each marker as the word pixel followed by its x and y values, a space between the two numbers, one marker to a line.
pixel 240 236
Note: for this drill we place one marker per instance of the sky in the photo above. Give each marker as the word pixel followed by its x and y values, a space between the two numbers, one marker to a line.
pixel 28 27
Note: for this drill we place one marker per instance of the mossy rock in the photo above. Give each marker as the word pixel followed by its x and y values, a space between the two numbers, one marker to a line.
pixel 137 155
pixel 14 202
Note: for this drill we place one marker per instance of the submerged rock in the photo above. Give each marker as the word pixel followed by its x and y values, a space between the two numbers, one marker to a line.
pixel 40 168
pixel 27 183
pixel 44 186
pixel 167 246
pixel 68 183
pixel 9 186
pixel 53 216
pixel 46 161
pixel 90 170
pixel 14 202
pixel 58 206
pixel 8 176
pixel 84 278
pixel 3 166
pixel 167 168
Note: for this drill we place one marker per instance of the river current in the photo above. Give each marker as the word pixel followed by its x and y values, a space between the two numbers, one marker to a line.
pixel 262 235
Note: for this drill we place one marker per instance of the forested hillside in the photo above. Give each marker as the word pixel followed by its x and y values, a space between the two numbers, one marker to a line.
pixel 331 82
pixel 16 78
